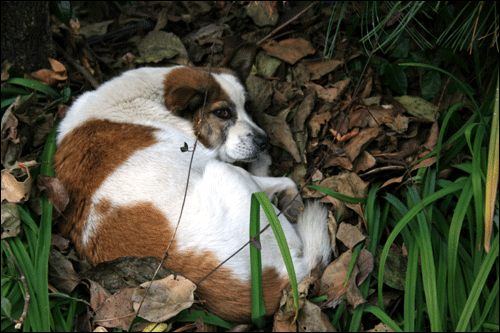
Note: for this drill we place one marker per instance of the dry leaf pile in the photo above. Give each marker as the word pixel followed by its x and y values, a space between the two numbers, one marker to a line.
pixel 323 131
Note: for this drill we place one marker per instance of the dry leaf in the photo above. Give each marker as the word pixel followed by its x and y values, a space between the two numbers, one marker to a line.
pixel 347 183
pixel 431 142
pixel 117 311
pixel 98 295
pixel 322 67
pixel 13 190
pixel 5 70
pixel 289 50
pixel 380 327
pixel 366 263
pixel 349 235
pixel 50 76
pixel 304 110
pixel 333 281
pixel 363 139
pixel 260 91
pixel 364 162
pixel 312 319
pixel 371 116
pixel 166 298
pixel 62 275
pixel 11 223
pixel 262 13
pixel 57 194
pixel 284 317
pixel 280 134
pixel 316 121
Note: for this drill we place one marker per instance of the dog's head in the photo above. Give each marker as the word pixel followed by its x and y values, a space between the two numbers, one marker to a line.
pixel 215 104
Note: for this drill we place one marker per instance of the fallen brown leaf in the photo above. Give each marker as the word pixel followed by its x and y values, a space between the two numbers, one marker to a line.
pixel 50 76
pixel 349 235
pixel 98 295
pixel 322 67
pixel 333 93
pixel 62 275
pixel 165 299
pixel 57 194
pixel 312 319
pixel 432 140
pixel 316 121
pixel 289 50
pixel 11 223
pixel 347 183
pixel 117 310
pixel 15 191
pixel 363 139
pixel 364 162
pixel 333 281
pixel 280 134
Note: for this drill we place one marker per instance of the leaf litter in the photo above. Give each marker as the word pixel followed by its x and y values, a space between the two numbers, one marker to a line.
pixel 304 102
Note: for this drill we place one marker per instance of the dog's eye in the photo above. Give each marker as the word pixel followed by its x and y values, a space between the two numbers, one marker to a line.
pixel 223 113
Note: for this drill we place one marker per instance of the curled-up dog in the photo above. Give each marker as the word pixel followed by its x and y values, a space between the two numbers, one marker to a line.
pixel 119 154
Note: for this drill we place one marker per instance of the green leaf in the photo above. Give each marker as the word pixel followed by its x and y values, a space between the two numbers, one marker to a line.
pixel 401 49
pixel 395 77
pixel 431 83
pixel 63 10
pixel 6 307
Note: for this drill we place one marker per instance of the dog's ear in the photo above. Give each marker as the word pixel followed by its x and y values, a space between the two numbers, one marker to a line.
pixel 241 60
pixel 184 101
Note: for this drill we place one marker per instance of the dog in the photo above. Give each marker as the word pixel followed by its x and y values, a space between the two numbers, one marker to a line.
pixel 121 154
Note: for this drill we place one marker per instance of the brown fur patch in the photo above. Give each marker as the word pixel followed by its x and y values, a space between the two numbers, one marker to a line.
pixel 86 156
pixel 184 95
pixel 142 230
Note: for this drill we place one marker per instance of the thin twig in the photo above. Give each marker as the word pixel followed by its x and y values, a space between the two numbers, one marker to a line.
pixel 165 256
pixel 286 23
pixel 86 74
pixel 20 321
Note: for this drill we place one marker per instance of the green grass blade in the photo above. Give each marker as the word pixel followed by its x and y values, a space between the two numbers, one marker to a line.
pixel 383 317
pixel 43 244
pixel 479 284
pixel 258 308
pixel 455 304
pixel 337 195
pixel 487 307
pixel 282 243
pixel 454 187
pixel 35 85
pixel 492 173
pixel 410 283
pixel 209 318
pixel 465 89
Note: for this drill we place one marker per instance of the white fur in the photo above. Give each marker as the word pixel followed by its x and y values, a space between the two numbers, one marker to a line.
pixel 217 209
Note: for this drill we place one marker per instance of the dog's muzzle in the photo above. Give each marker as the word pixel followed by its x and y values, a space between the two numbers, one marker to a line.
pixel 261 141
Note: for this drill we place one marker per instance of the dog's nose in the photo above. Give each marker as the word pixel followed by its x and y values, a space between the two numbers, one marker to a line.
pixel 261 141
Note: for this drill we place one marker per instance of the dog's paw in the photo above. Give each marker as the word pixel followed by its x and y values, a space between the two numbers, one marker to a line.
pixel 291 204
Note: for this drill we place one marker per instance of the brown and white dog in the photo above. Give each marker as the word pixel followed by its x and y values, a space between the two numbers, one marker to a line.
pixel 119 157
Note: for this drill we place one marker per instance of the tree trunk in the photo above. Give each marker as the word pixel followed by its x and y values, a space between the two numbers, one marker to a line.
pixel 26 36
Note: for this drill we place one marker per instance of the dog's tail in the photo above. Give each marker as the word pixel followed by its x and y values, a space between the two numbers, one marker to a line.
pixel 312 228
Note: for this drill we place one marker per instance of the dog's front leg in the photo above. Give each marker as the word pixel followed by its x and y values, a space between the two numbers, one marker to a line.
pixel 285 190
